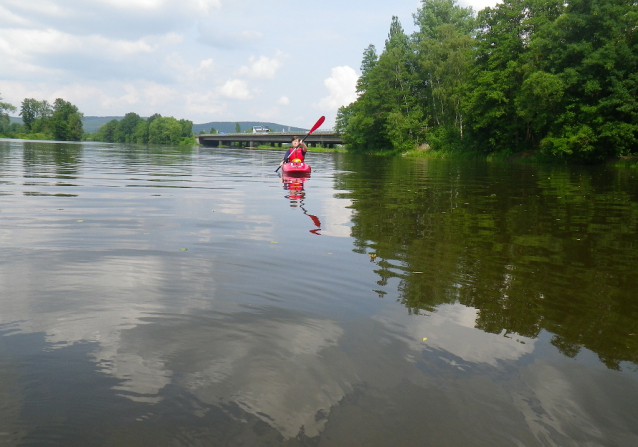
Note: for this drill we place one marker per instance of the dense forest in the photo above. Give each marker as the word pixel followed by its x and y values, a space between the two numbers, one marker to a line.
pixel 556 77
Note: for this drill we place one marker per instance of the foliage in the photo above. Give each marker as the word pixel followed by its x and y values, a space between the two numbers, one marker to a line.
pixel 156 130
pixel 386 115
pixel 62 121
pixel 5 108
pixel 36 115
pixel 548 75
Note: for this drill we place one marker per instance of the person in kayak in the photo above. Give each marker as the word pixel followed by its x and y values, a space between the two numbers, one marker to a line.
pixel 296 153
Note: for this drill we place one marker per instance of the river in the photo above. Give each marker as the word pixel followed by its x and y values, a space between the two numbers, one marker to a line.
pixel 191 296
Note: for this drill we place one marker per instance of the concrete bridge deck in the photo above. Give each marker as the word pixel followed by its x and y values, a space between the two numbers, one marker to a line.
pixel 276 139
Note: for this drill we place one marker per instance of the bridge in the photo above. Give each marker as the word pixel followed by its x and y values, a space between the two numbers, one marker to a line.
pixel 325 138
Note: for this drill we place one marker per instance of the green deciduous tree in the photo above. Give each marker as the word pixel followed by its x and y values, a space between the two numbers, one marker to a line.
pixel 443 44
pixel 560 76
pixel 386 116
pixel 5 108
pixel 156 129
pixel 29 112
pixel 497 74
pixel 593 48
pixel 66 121
pixel 140 133
pixel 36 115
pixel 165 130
pixel 106 132
pixel 125 129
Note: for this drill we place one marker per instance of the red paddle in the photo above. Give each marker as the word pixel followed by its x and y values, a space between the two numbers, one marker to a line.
pixel 315 127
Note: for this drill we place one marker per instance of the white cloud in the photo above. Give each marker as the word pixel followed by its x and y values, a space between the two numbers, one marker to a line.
pixel 129 98
pixel 269 114
pixel 342 88
pixel 451 328
pixel 262 68
pixel 156 94
pixel 183 72
pixel 120 49
pixel 7 17
pixel 235 89
pixel 28 43
pixel 205 104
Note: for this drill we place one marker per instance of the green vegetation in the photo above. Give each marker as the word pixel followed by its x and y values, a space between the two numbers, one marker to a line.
pixel 554 77
pixel 5 108
pixel 155 130
pixel 61 121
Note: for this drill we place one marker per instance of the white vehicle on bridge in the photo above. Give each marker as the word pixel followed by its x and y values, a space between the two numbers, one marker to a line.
pixel 260 129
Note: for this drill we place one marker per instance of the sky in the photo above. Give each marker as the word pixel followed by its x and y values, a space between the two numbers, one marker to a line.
pixel 281 61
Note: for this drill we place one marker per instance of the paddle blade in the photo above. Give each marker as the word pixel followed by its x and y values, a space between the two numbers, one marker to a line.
pixel 317 124
pixel 315 220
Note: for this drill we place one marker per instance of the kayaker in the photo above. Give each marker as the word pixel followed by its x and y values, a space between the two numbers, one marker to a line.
pixel 296 153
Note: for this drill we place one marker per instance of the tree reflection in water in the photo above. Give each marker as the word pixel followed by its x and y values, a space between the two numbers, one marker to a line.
pixel 531 248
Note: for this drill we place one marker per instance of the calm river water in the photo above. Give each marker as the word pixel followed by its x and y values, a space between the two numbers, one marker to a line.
pixel 191 296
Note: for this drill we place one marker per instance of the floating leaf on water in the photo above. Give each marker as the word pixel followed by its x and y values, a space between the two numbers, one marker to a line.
pixel 425 338
pixel 273 242
pixel 184 249
pixel 80 220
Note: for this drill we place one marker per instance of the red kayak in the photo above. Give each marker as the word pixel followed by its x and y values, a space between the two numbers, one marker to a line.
pixel 296 168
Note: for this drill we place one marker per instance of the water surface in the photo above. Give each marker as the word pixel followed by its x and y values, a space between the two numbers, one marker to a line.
pixel 191 296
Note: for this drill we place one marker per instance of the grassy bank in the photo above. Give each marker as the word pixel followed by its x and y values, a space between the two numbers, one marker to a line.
pixel 24 136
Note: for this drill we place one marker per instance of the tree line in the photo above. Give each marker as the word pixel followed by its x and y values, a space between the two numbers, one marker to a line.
pixel 554 76
pixel 156 129
pixel 62 121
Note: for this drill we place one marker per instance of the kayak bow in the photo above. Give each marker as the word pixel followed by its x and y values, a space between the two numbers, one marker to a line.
pixel 296 168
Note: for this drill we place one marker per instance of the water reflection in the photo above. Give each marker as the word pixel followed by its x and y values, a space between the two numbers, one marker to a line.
pixel 294 185
pixel 176 299
pixel 530 247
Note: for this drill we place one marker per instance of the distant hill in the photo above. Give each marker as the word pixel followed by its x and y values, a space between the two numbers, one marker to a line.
pixel 91 124
pixel 229 127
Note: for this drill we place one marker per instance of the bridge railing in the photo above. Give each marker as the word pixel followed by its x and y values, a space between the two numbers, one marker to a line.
pixel 301 134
